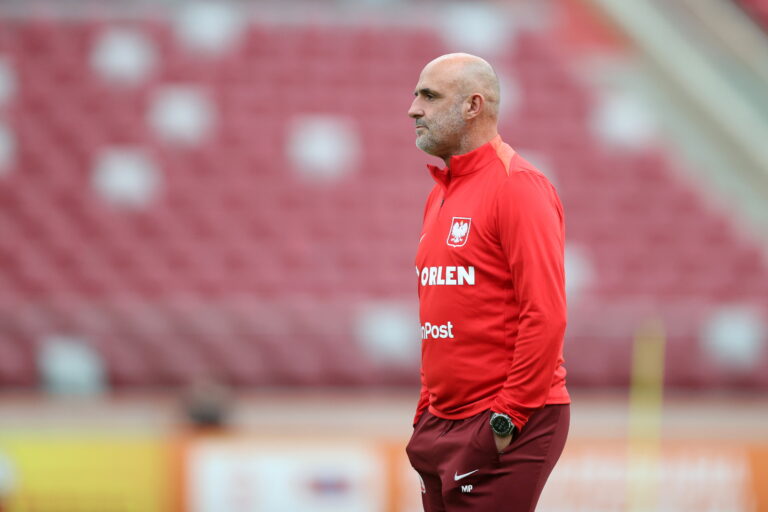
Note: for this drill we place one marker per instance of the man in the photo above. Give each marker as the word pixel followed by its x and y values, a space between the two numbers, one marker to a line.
pixel 493 414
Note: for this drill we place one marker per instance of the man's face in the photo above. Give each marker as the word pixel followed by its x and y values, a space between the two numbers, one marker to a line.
pixel 437 110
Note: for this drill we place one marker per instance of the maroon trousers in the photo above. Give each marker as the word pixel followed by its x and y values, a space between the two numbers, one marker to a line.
pixel 462 471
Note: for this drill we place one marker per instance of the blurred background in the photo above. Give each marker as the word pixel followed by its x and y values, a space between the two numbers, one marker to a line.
pixel 208 221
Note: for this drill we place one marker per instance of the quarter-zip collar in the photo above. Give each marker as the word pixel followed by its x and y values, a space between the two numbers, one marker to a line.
pixel 467 163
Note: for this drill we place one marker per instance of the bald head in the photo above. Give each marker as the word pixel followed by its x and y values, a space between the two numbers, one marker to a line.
pixel 456 107
pixel 469 74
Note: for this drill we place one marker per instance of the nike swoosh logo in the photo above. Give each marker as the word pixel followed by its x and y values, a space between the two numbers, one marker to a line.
pixel 457 477
pixel 422 237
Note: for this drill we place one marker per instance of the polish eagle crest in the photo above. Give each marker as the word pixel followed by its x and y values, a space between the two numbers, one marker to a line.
pixel 459 231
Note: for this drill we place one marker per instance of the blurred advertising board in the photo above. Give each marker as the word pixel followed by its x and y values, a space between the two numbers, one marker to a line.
pixel 706 475
pixel 86 472
pixel 108 471
pixel 260 475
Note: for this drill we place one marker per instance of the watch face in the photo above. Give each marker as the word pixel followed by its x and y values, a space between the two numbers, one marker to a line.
pixel 501 424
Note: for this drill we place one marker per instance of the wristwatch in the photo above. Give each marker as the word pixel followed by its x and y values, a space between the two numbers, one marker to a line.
pixel 502 425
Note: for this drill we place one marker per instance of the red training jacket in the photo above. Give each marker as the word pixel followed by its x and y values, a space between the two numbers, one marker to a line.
pixel 491 288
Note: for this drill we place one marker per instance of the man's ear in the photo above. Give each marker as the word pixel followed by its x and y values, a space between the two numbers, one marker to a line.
pixel 475 105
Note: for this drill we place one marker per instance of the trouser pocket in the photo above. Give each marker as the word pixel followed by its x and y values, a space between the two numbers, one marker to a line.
pixel 418 448
pixel 477 441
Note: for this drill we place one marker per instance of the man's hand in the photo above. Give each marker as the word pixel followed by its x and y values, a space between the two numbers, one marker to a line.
pixel 502 442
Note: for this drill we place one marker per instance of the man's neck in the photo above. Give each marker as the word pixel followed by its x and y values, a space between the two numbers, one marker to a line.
pixel 470 142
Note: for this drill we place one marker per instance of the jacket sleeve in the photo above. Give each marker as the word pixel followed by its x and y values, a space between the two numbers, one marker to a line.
pixel 531 232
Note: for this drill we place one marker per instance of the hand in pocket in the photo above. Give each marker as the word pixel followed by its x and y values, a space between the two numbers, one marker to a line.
pixel 502 442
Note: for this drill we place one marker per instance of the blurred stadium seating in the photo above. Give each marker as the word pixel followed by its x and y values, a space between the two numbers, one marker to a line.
pixel 234 208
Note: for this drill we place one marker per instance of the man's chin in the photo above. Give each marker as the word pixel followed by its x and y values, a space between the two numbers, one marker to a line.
pixel 425 145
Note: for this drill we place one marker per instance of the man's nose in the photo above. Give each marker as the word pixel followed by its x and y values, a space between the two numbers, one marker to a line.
pixel 415 112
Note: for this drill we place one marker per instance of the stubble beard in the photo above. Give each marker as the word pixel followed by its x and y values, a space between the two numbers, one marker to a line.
pixel 443 133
